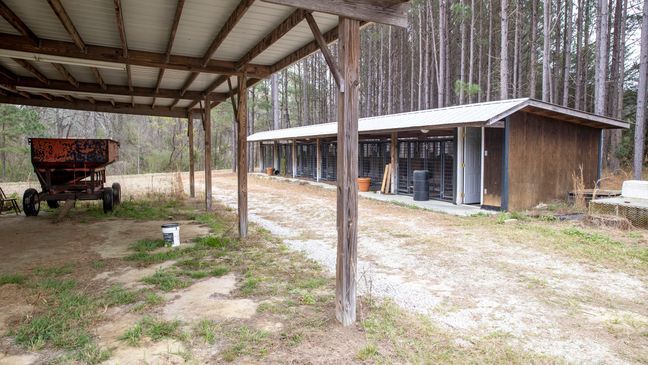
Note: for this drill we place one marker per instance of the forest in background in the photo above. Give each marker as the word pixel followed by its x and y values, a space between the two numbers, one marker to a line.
pixel 583 54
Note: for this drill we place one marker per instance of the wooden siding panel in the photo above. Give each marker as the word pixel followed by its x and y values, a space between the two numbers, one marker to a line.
pixel 544 153
pixel 494 148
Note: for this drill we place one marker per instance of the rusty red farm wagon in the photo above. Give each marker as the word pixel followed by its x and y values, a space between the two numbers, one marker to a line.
pixel 71 169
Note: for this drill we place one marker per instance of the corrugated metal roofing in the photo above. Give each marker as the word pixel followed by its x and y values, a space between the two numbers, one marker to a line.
pixel 472 114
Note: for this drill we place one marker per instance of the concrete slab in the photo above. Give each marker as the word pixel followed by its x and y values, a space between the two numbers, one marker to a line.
pixel 432 205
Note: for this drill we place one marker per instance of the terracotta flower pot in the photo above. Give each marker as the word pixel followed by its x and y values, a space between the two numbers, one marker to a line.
pixel 270 170
pixel 364 183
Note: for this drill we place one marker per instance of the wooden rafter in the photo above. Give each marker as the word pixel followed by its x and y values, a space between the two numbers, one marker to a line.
pixel 12 88
pixel 391 12
pixel 4 72
pixel 97 75
pixel 174 30
pixel 321 42
pixel 60 12
pixel 18 24
pixel 32 70
pixel 92 88
pixel 135 58
pixel 233 19
pixel 84 105
pixel 271 38
pixel 66 74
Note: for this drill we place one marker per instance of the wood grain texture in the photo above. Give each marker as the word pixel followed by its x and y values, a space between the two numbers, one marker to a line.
pixel 60 12
pixel 347 172
pixel 68 102
pixel 192 155
pixel 378 11
pixel 66 74
pixel 321 42
pixel 17 23
pixel 543 155
pixel 494 147
pixel 207 125
pixel 135 58
pixel 242 154
pixel 32 70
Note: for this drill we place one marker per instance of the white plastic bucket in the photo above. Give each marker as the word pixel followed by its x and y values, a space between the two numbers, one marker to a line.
pixel 171 234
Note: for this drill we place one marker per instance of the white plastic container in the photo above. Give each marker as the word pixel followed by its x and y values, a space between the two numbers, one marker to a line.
pixel 637 189
pixel 171 234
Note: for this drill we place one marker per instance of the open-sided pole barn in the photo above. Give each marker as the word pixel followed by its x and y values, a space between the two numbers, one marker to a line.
pixel 180 58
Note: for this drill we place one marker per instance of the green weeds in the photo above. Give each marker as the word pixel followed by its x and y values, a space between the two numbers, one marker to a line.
pixel 17 279
pixel 153 328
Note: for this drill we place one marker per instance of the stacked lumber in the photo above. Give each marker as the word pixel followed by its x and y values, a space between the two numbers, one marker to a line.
pixel 385 188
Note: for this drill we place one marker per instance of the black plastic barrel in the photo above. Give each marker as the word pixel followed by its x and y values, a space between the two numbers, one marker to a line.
pixel 421 185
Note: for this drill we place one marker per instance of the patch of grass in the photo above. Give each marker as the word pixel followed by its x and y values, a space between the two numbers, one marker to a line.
pixel 153 328
pixel 166 281
pixel 98 264
pixel 250 283
pixel 415 339
pixel 147 245
pixel 207 330
pixel 17 279
pixel 590 238
pixel 246 341
pixel 91 354
pixel 212 241
pixel 64 323
pixel 219 271
pixel 54 270
pixel 118 295
pixel 210 219
pixel 156 257
pixel 368 352
pixel 503 217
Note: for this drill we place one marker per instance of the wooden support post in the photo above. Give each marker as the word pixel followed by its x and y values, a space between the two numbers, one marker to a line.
pixel 275 153
pixel 242 155
pixel 294 159
pixel 318 165
pixel 393 150
pixel 347 172
pixel 208 153
pixel 192 156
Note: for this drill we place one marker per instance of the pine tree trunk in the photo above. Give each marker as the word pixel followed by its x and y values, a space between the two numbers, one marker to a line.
pixel 389 71
pixel 578 87
pixel 600 75
pixel 533 51
pixel 442 52
pixel 471 57
pixel 504 70
pixel 640 132
pixel 276 110
pixel 462 58
pixel 489 72
pixel 567 53
pixel 546 53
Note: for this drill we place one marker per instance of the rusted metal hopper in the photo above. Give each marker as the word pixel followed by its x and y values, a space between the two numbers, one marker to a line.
pixel 71 169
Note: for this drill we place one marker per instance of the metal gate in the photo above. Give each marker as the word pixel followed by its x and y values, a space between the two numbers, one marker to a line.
pixel 373 156
pixel 435 155
pixel 307 160
pixel 329 160
pixel 285 159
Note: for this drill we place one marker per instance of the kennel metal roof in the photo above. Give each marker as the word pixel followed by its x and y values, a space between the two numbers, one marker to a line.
pixel 479 114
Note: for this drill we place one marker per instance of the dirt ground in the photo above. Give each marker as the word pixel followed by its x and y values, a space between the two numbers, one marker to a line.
pixel 467 276
pixel 471 276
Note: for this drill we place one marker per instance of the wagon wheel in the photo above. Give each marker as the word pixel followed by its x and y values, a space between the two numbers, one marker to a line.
pixel 31 202
pixel 116 188
pixel 107 198
pixel 53 204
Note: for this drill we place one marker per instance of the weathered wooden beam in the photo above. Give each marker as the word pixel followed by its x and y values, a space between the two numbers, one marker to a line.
pixel 192 155
pixel 347 172
pixel 242 154
pixel 91 100
pixel 135 58
pixel 271 38
pixel 305 51
pixel 174 29
pixel 60 12
pixel 18 24
pixel 233 19
pixel 227 28
pixel 8 74
pixel 46 96
pixel 391 12
pixel 12 88
pixel 32 70
pixel 232 99
pixel 323 45
pixel 119 17
pixel 208 153
pixel 100 80
pixel 66 74
pixel 104 107
pixel 58 85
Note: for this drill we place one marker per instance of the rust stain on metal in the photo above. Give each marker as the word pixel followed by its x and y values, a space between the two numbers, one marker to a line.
pixel 73 153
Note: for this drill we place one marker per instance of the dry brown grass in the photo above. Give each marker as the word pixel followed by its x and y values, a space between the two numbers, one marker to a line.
pixel 578 187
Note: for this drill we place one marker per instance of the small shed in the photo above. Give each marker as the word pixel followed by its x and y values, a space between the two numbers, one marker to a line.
pixel 505 155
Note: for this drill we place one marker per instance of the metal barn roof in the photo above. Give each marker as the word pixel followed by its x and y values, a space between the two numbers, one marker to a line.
pixel 156 57
pixel 487 113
